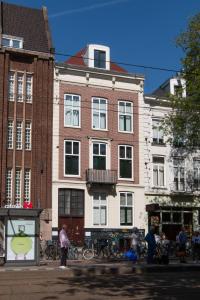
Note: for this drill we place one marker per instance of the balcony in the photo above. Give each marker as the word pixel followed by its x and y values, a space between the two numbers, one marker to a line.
pixel 101 176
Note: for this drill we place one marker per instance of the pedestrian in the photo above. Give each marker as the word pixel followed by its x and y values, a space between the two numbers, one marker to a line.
pixel 135 241
pixel 64 244
pixel 164 246
pixel 150 239
pixel 196 246
pixel 182 239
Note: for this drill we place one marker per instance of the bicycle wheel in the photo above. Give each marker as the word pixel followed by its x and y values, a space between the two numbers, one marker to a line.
pixel 50 252
pixel 88 254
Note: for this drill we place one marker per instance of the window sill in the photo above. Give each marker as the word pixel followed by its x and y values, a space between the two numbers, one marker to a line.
pixel 126 179
pixel 127 132
pixel 71 176
pixel 69 126
pixel 98 129
pixel 159 187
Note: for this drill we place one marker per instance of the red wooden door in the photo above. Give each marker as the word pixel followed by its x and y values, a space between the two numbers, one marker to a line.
pixel 75 229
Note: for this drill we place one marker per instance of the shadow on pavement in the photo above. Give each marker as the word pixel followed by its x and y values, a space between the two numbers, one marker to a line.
pixel 147 286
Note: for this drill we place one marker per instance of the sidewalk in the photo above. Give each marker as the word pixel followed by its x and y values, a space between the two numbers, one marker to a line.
pixel 93 268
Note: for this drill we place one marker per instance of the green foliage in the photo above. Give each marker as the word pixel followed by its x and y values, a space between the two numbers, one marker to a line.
pixel 184 121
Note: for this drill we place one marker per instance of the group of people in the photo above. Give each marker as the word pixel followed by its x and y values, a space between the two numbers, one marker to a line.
pixel 158 245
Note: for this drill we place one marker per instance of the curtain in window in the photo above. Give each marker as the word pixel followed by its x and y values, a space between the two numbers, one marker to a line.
pixel 129 215
pixel 75 118
pixel 121 123
pixel 155 175
pixel 122 215
pixel 102 120
pixel 96 215
pixel 95 120
pixel 128 123
pixel 103 215
pixel 161 176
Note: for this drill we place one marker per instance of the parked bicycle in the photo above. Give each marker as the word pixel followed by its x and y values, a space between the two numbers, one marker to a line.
pixel 102 249
pixel 50 250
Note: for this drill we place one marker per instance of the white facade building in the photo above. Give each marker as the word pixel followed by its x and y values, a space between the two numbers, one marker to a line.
pixel 172 176
pixel 96 142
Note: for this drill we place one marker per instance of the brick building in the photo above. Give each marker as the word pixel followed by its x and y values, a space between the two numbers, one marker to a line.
pixel 26 91
pixel 97 169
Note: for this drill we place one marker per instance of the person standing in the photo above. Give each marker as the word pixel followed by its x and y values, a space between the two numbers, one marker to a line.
pixel 195 246
pixel 135 241
pixel 150 238
pixel 64 244
pixel 164 246
pixel 182 238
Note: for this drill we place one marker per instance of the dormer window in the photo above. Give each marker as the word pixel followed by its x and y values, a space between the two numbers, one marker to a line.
pixel 12 42
pixel 97 56
pixel 99 59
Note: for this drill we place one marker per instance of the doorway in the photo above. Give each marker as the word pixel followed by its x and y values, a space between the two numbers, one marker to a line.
pixel 71 213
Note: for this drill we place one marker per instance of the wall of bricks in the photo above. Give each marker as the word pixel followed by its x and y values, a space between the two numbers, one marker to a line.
pixel 86 130
pixel 39 159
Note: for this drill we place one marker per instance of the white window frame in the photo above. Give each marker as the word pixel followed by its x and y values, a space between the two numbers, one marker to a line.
pixel 108 154
pixel 79 156
pixel 29 96
pixel 164 173
pixel 132 159
pixel 11 78
pixel 19 140
pixel 28 138
pixel 9 180
pixel 10 134
pixel 72 108
pixel 158 132
pixel 11 39
pixel 132 206
pixel 179 172
pixel 102 51
pixel 20 96
pixel 125 114
pixel 18 193
pixel 27 185
pixel 99 206
pixel 99 111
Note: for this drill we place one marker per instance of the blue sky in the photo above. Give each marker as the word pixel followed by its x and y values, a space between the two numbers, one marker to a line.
pixel 138 31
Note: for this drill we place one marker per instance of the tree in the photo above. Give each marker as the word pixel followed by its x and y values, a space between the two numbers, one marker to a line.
pixel 183 123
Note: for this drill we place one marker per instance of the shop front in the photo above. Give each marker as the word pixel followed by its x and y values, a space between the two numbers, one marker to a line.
pixel 19 236
pixel 170 219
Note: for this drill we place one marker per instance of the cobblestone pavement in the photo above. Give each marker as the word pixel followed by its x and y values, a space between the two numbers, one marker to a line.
pixel 59 284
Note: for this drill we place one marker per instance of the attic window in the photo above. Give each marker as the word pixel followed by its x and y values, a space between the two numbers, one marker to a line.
pixel 12 42
pixel 99 59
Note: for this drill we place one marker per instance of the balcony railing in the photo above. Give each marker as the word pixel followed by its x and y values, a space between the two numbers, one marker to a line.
pixel 101 176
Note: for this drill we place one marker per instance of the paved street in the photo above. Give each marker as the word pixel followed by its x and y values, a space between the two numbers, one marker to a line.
pixel 57 284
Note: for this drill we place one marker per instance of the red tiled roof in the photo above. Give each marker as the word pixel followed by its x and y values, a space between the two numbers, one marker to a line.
pixel 77 60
